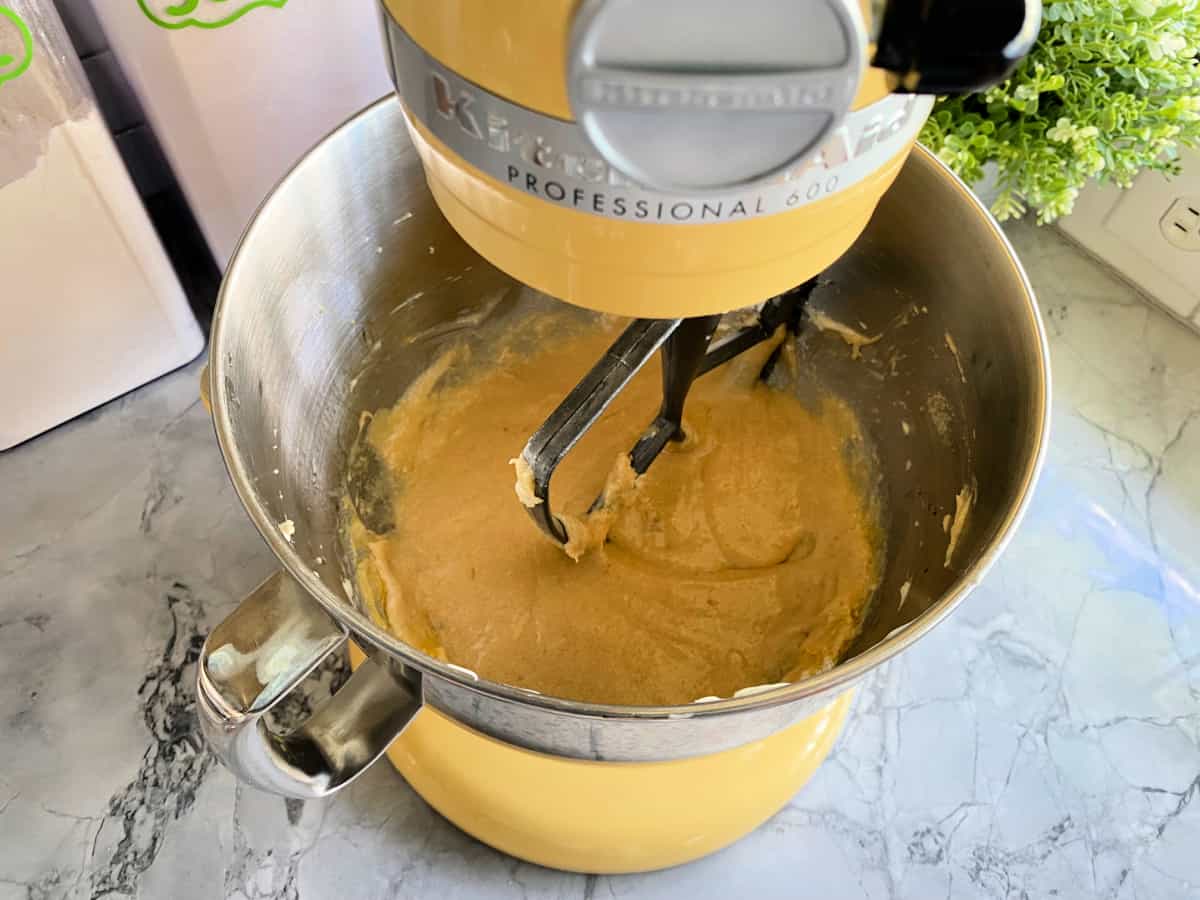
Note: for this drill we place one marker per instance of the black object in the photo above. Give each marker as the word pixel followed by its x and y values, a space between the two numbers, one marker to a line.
pixel 955 46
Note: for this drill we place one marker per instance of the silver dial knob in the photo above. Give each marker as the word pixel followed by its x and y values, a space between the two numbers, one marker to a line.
pixel 705 95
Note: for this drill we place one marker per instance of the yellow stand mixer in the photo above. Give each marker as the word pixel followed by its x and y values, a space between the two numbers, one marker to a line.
pixel 667 160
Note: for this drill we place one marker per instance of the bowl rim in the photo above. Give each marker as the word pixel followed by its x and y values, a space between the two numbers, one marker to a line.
pixel 829 682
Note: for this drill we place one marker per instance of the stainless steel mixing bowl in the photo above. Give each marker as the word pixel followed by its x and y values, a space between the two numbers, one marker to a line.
pixel 349 282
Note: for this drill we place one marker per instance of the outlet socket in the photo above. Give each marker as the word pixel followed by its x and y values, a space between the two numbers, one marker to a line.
pixel 1180 224
pixel 1149 234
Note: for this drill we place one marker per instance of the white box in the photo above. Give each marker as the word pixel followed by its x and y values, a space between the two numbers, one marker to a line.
pixel 235 106
pixel 89 305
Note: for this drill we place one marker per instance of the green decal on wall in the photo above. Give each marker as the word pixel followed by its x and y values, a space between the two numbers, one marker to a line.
pixel 201 13
pixel 16 45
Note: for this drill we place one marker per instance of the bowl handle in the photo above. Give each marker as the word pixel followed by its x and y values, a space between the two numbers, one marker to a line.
pixel 255 658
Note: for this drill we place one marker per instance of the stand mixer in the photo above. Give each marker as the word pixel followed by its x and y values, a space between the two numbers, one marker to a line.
pixel 666 160
pixel 675 160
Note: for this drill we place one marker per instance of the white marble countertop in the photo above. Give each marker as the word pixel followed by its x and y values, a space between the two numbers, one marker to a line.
pixel 1043 742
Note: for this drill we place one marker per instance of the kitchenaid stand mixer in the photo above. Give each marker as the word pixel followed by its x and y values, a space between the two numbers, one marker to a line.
pixel 525 180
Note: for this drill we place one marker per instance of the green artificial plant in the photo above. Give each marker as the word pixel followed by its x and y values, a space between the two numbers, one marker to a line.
pixel 1111 88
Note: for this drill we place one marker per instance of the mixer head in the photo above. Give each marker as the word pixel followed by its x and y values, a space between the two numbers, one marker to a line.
pixel 675 158
pixel 671 160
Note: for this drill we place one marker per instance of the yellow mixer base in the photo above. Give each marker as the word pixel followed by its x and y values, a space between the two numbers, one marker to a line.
pixel 607 817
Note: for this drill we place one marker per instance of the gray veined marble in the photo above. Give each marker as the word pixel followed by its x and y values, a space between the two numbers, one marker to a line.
pixel 1044 742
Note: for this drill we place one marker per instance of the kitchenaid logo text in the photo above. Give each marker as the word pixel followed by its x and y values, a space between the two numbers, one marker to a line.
pixel 585 181
pixel 621 94
pixel 455 106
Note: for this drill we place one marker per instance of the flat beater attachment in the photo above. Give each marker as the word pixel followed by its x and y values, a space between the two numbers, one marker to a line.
pixel 688 353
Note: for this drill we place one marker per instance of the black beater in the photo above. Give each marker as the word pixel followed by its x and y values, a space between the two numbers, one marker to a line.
pixel 686 356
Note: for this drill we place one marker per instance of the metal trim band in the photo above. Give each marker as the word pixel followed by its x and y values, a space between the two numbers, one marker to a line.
pixel 552 158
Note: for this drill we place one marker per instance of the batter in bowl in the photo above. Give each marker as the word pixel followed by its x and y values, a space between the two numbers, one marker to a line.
pixel 746 555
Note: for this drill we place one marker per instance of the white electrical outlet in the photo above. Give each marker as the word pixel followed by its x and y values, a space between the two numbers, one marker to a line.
pixel 1181 224
pixel 1150 234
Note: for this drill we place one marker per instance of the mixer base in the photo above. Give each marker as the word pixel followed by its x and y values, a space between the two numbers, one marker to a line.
pixel 607 817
